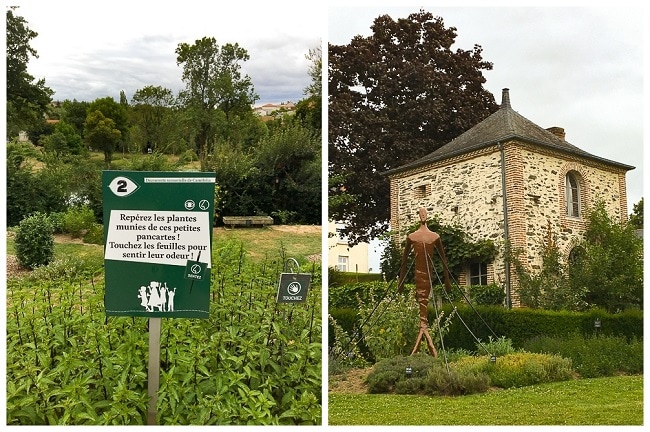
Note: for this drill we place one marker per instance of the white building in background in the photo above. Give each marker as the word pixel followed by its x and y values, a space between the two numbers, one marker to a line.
pixel 347 258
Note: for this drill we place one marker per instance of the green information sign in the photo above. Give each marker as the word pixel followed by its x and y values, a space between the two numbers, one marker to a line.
pixel 158 243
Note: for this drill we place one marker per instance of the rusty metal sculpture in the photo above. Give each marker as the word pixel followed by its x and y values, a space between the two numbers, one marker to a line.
pixel 422 242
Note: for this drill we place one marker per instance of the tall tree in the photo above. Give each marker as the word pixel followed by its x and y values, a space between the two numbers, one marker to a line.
pixel 309 110
pixel 100 132
pixel 396 96
pixel 117 113
pixel 608 263
pixel 150 112
pixel 27 100
pixel 74 113
pixel 215 89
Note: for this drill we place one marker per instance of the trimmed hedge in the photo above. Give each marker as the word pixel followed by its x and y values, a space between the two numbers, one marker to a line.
pixel 520 325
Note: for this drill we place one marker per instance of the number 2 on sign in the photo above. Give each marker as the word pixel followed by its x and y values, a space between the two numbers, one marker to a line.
pixel 123 186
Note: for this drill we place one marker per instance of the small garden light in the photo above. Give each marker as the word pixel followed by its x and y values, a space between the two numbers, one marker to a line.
pixel 409 371
pixel 493 359
pixel 597 325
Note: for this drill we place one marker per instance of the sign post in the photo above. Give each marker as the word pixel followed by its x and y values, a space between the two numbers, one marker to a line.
pixel 157 250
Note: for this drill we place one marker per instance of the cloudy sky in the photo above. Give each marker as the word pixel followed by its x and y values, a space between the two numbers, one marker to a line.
pixel 576 68
pixel 573 67
pixel 89 50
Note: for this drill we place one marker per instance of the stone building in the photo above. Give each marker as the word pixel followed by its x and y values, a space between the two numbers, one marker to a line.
pixel 507 178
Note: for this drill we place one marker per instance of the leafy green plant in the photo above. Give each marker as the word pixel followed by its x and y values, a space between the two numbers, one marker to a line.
pixel 253 361
pixel 594 356
pixel 344 354
pixel 34 241
pixel 387 373
pixel 453 382
pixel 518 369
pixel 78 220
pixel 495 346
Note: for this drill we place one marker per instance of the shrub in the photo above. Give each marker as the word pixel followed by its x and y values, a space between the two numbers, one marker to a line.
pixel 519 369
pixel 34 241
pixel 427 375
pixel 594 356
pixel 344 353
pixel 454 382
pixel 491 294
pixel 188 156
pixel 95 234
pixel 57 222
pixel 388 372
pixel 78 220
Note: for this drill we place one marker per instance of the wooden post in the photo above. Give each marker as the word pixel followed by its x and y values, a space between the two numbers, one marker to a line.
pixel 153 382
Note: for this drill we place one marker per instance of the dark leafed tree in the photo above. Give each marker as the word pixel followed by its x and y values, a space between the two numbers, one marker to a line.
pixel 27 100
pixel 395 96
pixel 101 132
pixel 215 88
pixel 151 112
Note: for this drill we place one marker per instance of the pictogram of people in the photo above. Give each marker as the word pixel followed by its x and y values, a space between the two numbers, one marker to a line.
pixel 157 297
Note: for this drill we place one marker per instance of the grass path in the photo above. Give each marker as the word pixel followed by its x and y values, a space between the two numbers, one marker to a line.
pixel 600 401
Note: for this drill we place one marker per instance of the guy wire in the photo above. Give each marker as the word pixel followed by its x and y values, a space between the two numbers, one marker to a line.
pixel 428 260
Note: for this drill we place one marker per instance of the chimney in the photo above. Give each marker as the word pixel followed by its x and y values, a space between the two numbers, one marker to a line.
pixel 505 98
pixel 557 131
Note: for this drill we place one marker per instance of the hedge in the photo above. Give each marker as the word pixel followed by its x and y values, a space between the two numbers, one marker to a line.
pixel 519 325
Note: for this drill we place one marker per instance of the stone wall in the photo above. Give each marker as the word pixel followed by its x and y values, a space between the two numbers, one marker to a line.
pixel 467 192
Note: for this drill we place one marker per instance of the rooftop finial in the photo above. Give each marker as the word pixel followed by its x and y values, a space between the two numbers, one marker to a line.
pixel 505 99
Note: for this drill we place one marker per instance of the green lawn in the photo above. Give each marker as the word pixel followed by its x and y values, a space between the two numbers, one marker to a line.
pixel 600 401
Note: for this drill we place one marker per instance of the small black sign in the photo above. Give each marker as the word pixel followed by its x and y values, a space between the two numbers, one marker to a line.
pixel 293 287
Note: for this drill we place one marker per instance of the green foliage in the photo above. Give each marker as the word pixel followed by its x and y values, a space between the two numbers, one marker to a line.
pixel 78 221
pixel 101 132
pixel 422 374
pixel 64 140
pixel 605 269
pixel 636 218
pixel 344 353
pixel 609 265
pixel 496 347
pixel 453 382
pixel 520 324
pixel 215 90
pixel 550 287
pixel 391 324
pixel 253 361
pixel 188 156
pixel 349 294
pixel 27 99
pixel 387 373
pixel 150 162
pixel 593 356
pixel 491 294
pixel 31 189
pixel 518 369
pixel 34 241
pixel 95 234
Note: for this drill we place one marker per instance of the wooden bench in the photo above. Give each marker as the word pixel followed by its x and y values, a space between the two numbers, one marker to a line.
pixel 247 220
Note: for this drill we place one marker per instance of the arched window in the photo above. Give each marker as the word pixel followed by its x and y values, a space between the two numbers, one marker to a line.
pixel 572 195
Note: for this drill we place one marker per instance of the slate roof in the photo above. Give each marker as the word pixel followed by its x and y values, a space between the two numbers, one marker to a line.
pixel 503 125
